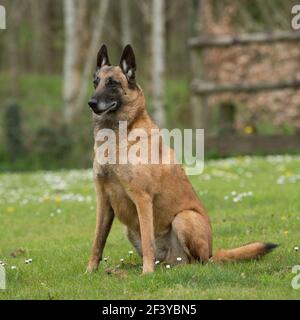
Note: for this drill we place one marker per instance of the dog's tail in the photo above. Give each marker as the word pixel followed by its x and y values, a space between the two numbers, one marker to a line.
pixel 249 251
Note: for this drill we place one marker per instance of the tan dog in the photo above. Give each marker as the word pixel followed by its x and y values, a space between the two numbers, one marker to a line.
pixel 156 202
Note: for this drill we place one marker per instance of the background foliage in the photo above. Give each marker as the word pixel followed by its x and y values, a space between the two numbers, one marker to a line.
pixel 33 133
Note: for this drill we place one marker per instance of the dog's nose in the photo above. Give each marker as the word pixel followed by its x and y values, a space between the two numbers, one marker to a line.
pixel 93 103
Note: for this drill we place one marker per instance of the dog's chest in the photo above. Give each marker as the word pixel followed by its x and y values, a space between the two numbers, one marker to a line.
pixel 122 205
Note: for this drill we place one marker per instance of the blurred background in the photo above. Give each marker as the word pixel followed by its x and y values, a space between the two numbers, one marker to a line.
pixel 231 67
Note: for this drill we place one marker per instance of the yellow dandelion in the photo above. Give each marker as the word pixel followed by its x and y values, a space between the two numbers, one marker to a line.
pixel 57 199
pixel 248 130
pixel 10 209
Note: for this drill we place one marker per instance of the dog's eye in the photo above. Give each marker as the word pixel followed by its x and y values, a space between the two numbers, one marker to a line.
pixel 96 82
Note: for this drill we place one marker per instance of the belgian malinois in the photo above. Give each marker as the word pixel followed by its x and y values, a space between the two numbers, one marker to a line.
pixel 163 216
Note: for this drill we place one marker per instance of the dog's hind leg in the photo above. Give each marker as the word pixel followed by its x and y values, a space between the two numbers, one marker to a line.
pixel 193 232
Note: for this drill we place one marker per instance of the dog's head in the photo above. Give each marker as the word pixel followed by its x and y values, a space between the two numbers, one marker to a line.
pixel 115 86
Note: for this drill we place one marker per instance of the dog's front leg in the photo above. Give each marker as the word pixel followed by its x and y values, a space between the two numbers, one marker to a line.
pixel 104 220
pixel 143 204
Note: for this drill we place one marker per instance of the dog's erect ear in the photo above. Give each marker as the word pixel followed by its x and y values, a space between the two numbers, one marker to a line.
pixel 102 57
pixel 127 64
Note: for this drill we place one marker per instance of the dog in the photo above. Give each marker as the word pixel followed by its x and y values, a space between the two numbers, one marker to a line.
pixel 163 216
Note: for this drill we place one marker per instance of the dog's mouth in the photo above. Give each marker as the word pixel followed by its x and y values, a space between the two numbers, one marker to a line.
pixel 102 108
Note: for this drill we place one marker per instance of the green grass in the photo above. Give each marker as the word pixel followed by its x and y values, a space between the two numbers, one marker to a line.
pixel 51 216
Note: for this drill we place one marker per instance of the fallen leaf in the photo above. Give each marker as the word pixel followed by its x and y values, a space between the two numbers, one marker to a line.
pixel 116 271
pixel 17 253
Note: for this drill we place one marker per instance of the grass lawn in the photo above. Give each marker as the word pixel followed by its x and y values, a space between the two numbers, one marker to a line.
pixel 51 216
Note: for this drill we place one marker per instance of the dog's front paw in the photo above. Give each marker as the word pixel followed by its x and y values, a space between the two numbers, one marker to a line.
pixel 148 269
pixel 91 268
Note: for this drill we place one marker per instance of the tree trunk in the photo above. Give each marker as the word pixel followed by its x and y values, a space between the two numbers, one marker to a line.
pixel 91 55
pixel 41 45
pixel 125 23
pixel 158 61
pixel 14 17
pixel 71 75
